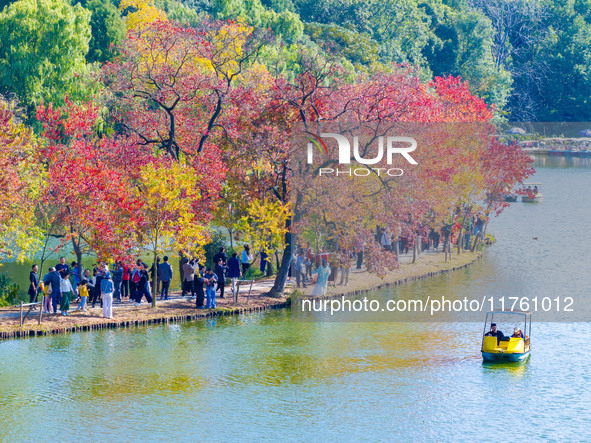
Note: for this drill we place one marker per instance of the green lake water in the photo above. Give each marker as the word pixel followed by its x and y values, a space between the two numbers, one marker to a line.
pixel 269 377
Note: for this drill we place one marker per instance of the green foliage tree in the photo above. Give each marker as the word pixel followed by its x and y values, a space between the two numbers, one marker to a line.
pixel 43 43
pixel 107 27
pixel 461 45
pixel 566 54
pixel 400 27
pixel 356 47
pixel 179 12
pixel 285 24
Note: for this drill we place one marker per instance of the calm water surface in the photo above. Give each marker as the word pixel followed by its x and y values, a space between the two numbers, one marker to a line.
pixel 269 377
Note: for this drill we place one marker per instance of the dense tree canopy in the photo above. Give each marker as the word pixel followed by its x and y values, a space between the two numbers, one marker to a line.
pixel 157 120
pixel 43 44
pixel 527 57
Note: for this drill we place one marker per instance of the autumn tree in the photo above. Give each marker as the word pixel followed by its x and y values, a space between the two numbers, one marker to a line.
pixel 21 182
pixel 172 84
pixel 167 217
pixel 88 181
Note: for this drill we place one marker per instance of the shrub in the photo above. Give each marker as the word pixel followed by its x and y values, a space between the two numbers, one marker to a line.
pixel 8 291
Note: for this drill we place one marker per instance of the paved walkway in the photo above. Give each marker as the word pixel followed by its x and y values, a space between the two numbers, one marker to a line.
pixel 259 287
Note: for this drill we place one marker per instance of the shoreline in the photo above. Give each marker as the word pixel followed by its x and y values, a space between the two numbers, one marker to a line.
pixel 428 265
pixel 180 310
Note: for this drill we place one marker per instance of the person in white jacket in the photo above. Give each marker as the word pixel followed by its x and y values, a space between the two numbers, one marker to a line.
pixel 66 290
pixel 107 288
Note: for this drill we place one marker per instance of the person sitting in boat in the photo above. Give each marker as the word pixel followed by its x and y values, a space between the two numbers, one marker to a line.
pixel 517 333
pixel 494 332
pixel 536 190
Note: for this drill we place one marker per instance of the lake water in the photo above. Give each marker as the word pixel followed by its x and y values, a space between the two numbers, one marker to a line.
pixel 269 377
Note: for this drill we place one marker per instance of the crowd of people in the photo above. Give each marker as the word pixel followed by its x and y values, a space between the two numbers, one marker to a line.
pixel 64 283
pixel 123 282
pixel 431 238
pixel 324 268
pixel 307 266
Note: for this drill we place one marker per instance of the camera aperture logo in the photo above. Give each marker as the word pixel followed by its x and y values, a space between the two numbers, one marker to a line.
pixel 386 145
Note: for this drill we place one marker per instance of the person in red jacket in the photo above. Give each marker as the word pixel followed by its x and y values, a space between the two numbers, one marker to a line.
pixel 125 281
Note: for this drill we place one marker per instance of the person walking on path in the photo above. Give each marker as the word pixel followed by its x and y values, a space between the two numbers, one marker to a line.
pixel 83 292
pixel 300 269
pixel 143 286
pixel 34 284
pixel 47 297
pixel 107 288
pixel 198 285
pixel 53 278
pixel 221 254
pixel 220 272
pixel 246 260
pixel 165 276
pixel 125 281
pixel 188 276
pixel 66 289
pixel 234 272
pixel 323 272
pixel 117 280
pixel 346 258
pixel 386 240
pixel 62 267
pixel 134 281
pixel 75 275
pixel 210 283
pixel 359 258
pixel 100 275
pixel 264 262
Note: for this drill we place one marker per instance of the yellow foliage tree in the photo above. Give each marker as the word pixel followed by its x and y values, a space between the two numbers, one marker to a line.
pixel 20 184
pixel 167 219
pixel 264 225
pixel 141 13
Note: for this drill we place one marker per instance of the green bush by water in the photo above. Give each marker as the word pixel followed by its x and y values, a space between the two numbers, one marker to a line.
pixel 8 291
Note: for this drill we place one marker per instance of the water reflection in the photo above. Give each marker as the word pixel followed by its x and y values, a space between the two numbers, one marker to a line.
pixel 515 369
pixel 561 161
pixel 273 375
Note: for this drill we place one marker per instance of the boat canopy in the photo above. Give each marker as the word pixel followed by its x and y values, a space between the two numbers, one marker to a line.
pixel 515 311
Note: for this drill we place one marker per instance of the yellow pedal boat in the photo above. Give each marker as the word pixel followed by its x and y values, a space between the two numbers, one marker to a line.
pixel 496 347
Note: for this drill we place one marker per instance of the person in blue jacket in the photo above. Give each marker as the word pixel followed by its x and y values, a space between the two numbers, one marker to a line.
pixel 165 276
pixel 54 278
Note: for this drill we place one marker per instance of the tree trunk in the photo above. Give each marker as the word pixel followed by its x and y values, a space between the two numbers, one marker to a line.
pixel 78 252
pixel 43 255
pixel 461 233
pixel 231 234
pixel 476 242
pixel 181 276
pixel 283 270
pixel 154 286
pixel 447 247
pixel 459 241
